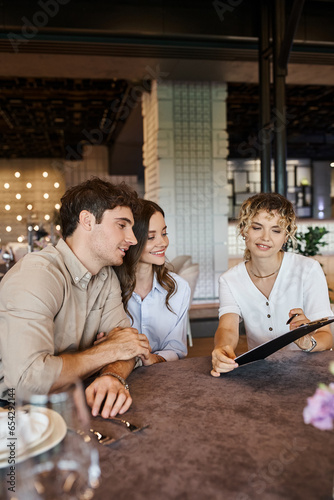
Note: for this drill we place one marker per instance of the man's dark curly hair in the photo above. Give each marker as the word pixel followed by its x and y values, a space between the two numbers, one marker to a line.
pixel 96 196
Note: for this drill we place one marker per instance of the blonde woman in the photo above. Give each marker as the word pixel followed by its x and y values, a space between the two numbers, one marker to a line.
pixel 271 287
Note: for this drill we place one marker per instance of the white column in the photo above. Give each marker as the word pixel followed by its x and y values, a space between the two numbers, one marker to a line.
pixel 185 151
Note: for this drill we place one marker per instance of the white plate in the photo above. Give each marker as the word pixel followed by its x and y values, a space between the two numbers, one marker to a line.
pixel 3 431
pixel 58 433
pixel 41 429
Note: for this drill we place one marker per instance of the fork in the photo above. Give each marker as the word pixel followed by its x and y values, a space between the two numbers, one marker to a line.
pixel 102 438
pixel 131 427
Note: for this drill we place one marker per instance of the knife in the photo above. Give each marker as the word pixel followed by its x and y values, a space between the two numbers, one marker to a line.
pixel 268 348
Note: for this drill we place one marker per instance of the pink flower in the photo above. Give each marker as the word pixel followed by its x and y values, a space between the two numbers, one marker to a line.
pixel 320 408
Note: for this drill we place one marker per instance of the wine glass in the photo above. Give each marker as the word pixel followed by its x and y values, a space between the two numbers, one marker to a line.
pixel 1 260
pixel 57 459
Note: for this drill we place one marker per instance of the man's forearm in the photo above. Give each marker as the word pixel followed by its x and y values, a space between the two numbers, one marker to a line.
pixel 122 368
pixel 80 365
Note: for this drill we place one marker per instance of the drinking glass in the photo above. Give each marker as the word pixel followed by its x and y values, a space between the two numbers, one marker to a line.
pixel 7 257
pixel 57 459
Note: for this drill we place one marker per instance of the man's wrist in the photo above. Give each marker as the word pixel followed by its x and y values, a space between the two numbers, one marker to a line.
pixel 138 362
pixel 118 377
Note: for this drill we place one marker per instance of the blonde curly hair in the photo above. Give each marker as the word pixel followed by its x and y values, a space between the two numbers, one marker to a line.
pixel 268 202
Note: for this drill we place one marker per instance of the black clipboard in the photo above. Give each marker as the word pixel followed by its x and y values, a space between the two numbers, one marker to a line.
pixel 268 348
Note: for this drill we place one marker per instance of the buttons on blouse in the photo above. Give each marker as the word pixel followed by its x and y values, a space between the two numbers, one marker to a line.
pixel 269 316
pixel 76 279
pixel 137 298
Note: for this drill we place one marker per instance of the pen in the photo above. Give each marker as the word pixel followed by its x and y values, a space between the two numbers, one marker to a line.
pixel 290 319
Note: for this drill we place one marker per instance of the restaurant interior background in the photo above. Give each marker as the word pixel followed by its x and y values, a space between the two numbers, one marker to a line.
pixel 165 96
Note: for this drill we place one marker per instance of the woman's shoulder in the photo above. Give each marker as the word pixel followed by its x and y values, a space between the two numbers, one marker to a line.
pixel 181 282
pixel 234 272
pixel 298 260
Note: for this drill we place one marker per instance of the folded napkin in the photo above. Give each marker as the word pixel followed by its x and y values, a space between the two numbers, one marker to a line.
pixel 3 430
pixel 27 427
pixel 33 425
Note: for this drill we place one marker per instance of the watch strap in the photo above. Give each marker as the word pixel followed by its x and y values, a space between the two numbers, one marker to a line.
pixel 314 343
pixel 121 379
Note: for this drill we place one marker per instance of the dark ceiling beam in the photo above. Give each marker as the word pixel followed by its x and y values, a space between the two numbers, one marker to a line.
pixel 151 18
pixel 265 53
pixel 290 30
pixel 283 34
pixel 279 112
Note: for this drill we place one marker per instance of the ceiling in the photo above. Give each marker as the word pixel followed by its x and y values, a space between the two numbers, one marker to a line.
pixel 63 83
pixel 309 121
pixel 54 118
pixel 51 118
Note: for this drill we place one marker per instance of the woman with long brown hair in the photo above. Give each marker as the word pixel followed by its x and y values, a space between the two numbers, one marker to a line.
pixel 155 299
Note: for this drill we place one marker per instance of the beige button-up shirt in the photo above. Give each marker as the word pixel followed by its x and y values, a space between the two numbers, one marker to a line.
pixel 50 304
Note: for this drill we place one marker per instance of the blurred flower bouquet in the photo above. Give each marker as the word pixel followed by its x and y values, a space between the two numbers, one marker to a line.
pixel 320 407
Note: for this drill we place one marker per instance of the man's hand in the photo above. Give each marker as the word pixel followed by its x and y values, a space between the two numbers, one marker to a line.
pixel 120 344
pixel 223 360
pixel 107 396
pixel 101 337
pixel 126 343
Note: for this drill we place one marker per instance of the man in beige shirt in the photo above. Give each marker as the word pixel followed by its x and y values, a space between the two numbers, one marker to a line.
pixel 53 303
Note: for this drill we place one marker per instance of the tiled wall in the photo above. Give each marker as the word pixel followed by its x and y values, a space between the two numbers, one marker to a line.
pixel 185 150
pixel 328 238
pixel 193 177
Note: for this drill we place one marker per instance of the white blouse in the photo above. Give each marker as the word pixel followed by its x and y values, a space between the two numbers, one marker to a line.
pixel 299 283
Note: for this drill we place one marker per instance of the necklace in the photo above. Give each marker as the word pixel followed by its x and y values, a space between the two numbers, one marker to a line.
pixel 268 275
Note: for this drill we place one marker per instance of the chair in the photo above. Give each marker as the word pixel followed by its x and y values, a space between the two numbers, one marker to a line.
pixel 190 274
pixel 19 250
pixel 180 262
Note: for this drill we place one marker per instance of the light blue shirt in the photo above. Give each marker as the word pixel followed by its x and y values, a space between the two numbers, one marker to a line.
pixel 165 330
